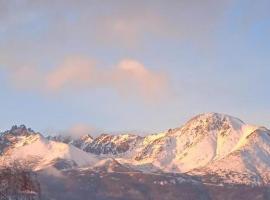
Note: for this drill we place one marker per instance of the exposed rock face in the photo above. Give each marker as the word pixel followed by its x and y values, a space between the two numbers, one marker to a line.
pixel 104 144
pixel 212 143
pixel 212 156
pixel 80 142
pixel 13 136
pixel 112 144
pixel 200 141
pixel 23 144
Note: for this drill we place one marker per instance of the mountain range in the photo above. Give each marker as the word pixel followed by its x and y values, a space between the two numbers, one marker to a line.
pixel 212 156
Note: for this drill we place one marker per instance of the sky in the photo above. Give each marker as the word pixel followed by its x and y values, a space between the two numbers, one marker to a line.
pixel 132 66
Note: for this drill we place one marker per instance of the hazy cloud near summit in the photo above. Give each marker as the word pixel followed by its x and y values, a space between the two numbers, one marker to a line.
pixel 129 78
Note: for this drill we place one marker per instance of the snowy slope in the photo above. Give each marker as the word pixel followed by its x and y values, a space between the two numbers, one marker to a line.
pixel 208 145
pixel 105 144
pixel 80 142
pixel 113 145
pixel 203 139
pixel 39 152
pixel 14 135
pixel 248 163
pixel 210 142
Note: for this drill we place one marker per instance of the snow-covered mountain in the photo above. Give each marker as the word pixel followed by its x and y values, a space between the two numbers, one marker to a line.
pixel 201 140
pixel 81 142
pixel 105 144
pixel 248 163
pixel 38 152
pixel 212 146
pixel 209 144
pixel 14 135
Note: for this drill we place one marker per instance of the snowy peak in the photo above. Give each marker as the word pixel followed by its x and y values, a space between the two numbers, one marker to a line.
pixel 79 142
pixel 203 139
pixel 15 135
pixel 21 130
pixel 209 143
pixel 21 143
pixel 104 144
pixel 41 153
pixel 83 141
pixel 216 132
pixel 113 144
pixel 209 122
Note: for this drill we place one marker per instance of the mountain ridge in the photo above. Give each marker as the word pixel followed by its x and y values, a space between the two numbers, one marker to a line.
pixel 207 144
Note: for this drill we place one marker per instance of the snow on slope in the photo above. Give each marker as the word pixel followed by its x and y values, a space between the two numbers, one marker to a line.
pixel 14 135
pixel 112 145
pixel 249 163
pixel 80 142
pixel 203 139
pixel 40 152
pixel 105 144
pixel 208 144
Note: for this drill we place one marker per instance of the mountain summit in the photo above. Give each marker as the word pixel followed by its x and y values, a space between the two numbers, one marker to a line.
pixel 207 144
pixel 203 139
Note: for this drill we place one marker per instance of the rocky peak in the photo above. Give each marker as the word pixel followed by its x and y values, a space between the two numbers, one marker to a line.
pixel 112 144
pixel 61 138
pixel 79 142
pixel 212 122
pixel 14 135
pixel 21 130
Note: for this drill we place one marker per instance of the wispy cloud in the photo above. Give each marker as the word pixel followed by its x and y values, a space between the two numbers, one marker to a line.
pixel 81 129
pixel 75 130
pixel 128 77
pixel 73 73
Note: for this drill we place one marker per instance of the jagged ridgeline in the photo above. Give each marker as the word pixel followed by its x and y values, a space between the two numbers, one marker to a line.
pixel 211 152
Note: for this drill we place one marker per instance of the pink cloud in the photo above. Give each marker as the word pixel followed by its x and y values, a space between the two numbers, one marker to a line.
pixel 129 78
pixel 73 72
pixel 147 83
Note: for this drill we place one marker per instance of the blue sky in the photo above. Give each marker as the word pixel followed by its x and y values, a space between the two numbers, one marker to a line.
pixel 141 66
